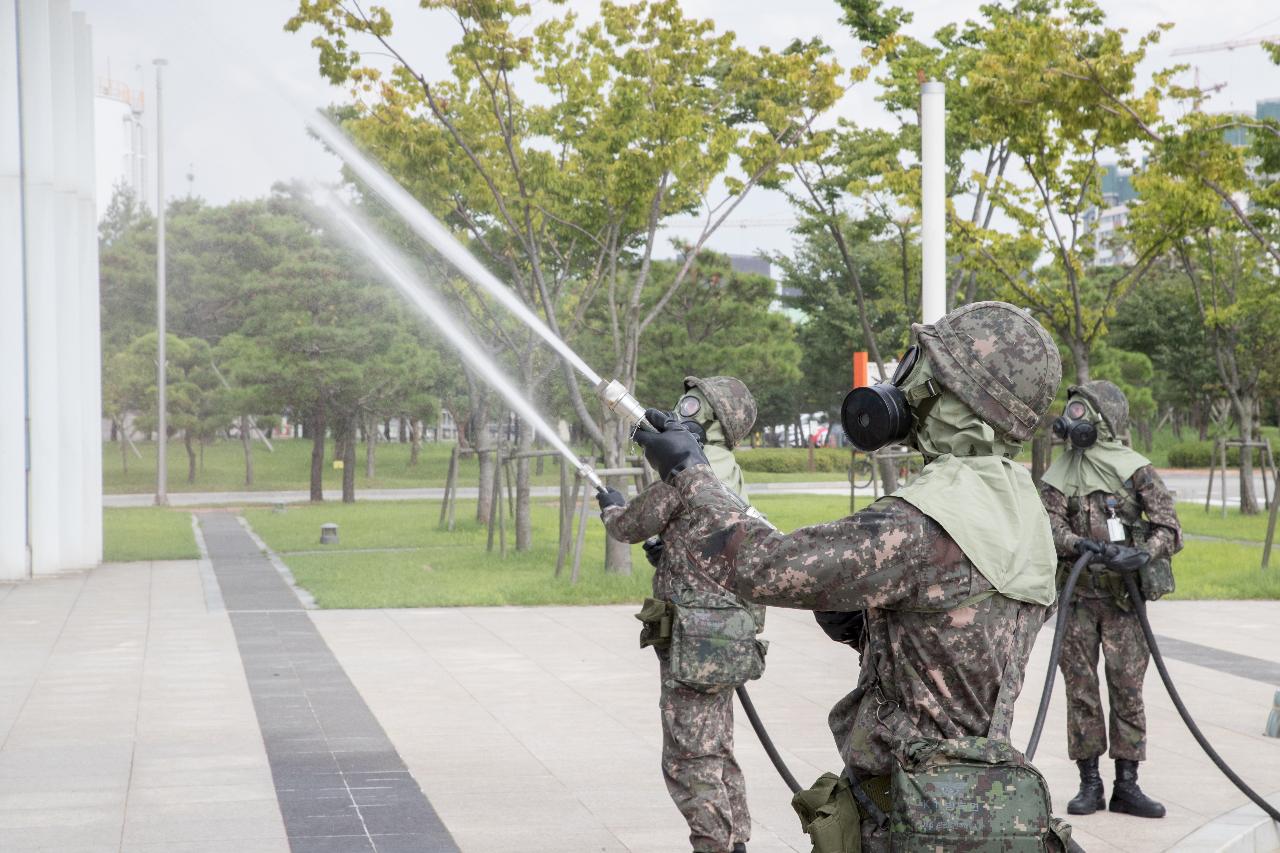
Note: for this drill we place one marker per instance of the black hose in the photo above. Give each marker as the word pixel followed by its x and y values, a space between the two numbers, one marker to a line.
pixel 1140 606
pixel 1060 630
pixel 765 740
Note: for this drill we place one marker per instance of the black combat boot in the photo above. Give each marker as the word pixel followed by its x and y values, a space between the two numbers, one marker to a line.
pixel 1091 796
pixel 1127 797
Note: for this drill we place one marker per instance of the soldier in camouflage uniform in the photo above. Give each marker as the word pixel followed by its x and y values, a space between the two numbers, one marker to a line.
pixel 1082 490
pixel 955 575
pixel 701 773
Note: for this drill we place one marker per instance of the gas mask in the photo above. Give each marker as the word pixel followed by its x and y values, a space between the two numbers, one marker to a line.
pixel 881 414
pixel 1077 424
pixel 695 415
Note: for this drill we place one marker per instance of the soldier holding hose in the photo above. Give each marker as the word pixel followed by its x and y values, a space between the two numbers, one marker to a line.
pixel 705 637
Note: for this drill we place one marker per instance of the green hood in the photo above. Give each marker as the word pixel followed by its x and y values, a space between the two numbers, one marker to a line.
pixel 1104 467
pixel 984 500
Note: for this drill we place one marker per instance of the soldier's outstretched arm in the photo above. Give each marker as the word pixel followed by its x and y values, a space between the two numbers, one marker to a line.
pixel 873 558
pixel 647 515
pixel 1165 538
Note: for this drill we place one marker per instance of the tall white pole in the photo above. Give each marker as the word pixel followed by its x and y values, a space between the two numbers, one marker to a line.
pixel 70 391
pixel 162 462
pixel 933 201
pixel 90 324
pixel 44 525
pixel 13 394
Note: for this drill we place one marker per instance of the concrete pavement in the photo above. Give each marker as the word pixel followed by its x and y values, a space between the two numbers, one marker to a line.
pixel 129 723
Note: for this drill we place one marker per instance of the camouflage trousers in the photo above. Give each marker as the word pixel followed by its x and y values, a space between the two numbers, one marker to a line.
pixel 702 776
pixel 1098 623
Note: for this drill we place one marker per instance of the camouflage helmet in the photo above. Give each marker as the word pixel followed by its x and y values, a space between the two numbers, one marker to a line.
pixel 1108 401
pixel 998 360
pixel 732 403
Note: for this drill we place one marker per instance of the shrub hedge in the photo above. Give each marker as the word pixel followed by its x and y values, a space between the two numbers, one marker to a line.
pixel 791 460
pixel 1198 454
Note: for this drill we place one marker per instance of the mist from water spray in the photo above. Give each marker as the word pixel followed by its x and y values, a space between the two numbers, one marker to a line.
pixel 439 237
pixel 398 271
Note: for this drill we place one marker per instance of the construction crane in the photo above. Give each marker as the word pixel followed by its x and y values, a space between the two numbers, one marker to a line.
pixel 1223 45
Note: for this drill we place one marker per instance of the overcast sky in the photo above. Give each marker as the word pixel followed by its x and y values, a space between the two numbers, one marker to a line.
pixel 236 83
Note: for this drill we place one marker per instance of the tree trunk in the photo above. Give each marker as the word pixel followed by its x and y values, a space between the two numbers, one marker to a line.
pixel 889 475
pixel 317 429
pixel 370 446
pixel 246 441
pixel 524 521
pixel 1244 415
pixel 349 462
pixel 483 443
pixel 415 441
pixel 1080 355
pixel 402 432
pixel 191 456
pixel 617 555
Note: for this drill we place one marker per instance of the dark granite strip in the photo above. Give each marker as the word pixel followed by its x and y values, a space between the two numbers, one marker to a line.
pixel 1244 666
pixel 341 785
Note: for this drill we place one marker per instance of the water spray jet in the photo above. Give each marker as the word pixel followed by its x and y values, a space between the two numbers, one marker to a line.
pixel 612 393
pixel 398 270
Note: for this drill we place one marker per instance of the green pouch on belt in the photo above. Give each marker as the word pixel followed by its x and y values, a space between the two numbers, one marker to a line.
pixel 829 815
pixel 713 641
pixel 655 617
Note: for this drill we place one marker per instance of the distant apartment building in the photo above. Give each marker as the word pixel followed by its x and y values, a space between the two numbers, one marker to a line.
pixel 1117 192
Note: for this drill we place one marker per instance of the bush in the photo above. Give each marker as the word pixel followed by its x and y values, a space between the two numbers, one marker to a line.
pixel 792 460
pixel 1198 454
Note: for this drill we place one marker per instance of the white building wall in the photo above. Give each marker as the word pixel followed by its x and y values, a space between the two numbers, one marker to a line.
pixel 13 445
pixel 57 377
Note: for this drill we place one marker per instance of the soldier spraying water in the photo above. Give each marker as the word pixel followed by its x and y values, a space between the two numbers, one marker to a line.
pixel 704 635
pixel 955 572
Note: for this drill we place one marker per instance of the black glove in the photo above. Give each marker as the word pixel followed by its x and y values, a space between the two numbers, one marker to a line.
pixel 844 627
pixel 670 450
pixel 1122 558
pixel 653 548
pixel 1090 545
pixel 610 497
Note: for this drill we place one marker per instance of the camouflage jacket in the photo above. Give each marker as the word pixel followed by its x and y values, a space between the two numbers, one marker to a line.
pixel 934 658
pixel 658 511
pixel 1151 499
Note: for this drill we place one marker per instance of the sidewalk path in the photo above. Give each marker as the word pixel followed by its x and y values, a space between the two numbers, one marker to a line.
pixel 562 703
pixel 1187 486
pixel 341 785
pixel 125 720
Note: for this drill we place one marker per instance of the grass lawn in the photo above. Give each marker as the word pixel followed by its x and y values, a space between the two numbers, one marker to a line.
pixel 437 568
pixel 147 533
pixel 1235 526
pixel 289 468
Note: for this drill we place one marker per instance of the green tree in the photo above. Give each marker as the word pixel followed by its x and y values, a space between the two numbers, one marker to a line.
pixel 191 395
pixel 561 149
pixel 1231 276
pixel 720 324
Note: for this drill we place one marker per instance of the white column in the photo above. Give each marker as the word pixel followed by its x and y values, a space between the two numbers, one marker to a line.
pixel 70 419
pixel 44 510
pixel 13 403
pixel 933 201
pixel 90 328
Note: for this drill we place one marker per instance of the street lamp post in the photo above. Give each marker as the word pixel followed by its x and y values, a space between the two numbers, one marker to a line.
pixel 162 462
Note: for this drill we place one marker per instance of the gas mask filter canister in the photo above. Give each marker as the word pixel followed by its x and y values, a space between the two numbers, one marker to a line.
pixel 877 415
pixel 1074 425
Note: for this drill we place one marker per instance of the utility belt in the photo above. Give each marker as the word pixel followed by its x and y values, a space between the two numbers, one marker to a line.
pixel 972 793
pixel 710 637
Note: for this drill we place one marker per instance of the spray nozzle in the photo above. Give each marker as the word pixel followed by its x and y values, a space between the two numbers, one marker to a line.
pixel 623 403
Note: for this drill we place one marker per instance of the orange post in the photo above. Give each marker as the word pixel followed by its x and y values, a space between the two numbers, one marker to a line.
pixel 860 369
